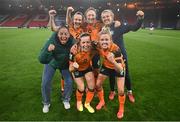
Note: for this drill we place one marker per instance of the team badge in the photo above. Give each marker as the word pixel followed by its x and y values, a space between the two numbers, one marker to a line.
pixel 76 73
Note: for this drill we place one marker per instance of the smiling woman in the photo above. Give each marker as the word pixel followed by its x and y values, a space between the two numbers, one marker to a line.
pixel 153 60
pixel 112 65
pixel 55 55
pixel 80 65
pixel 20 79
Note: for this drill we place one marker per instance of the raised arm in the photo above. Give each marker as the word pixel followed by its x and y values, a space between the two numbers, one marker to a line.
pixel 68 15
pixel 51 23
pixel 137 25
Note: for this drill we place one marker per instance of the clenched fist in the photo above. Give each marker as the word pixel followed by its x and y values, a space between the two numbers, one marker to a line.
pixel 117 23
pixel 74 49
pixel 76 65
pixel 110 57
pixel 52 13
pixel 140 14
pixel 70 9
pixel 51 47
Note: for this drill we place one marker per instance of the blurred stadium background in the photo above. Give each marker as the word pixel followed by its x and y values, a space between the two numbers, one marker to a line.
pixel 154 60
pixel 33 13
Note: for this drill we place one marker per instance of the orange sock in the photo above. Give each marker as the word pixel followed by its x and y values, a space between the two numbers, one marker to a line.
pixel 62 84
pixel 89 96
pixel 79 95
pixel 101 95
pixel 121 102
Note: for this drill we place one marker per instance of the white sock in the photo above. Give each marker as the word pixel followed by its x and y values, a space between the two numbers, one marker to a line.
pixel 129 91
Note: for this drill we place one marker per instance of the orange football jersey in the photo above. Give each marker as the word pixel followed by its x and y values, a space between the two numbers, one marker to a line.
pixel 83 59
pixel 117 53
pixel 94 30
pixel 75 32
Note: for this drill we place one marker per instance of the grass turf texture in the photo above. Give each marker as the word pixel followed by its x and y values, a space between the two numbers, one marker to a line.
pixel 154 61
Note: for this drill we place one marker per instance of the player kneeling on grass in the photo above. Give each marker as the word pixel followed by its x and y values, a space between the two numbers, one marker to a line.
pixel 112 64
pixel 80 65
pixel 55 55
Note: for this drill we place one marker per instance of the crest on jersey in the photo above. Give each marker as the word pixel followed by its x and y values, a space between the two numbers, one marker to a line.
pixel 112 32
pixel 102 69
pixel 70 56
pixel 122 72
pixel 85 61
pixel 76 73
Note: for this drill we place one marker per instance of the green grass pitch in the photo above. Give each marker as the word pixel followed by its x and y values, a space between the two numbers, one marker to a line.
pixel 154 61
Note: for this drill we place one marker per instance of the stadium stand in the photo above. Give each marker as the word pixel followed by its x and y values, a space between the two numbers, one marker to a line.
pixel 3 18
pixel 39 20
pixel 60 19
pixel 15 21
pixel 164 13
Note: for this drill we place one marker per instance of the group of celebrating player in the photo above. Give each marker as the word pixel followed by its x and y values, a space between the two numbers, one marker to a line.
pixel 76 50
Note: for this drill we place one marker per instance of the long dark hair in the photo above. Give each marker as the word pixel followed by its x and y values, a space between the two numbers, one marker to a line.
pixel 63 26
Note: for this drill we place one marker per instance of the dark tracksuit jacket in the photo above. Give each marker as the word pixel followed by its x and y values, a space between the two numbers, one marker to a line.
pixel 59 57
pixel 117 36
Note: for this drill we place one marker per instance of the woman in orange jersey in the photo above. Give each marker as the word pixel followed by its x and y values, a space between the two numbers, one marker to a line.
pixel 75 24
pixel 93 27
pixel 112 65
pixel 80 66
